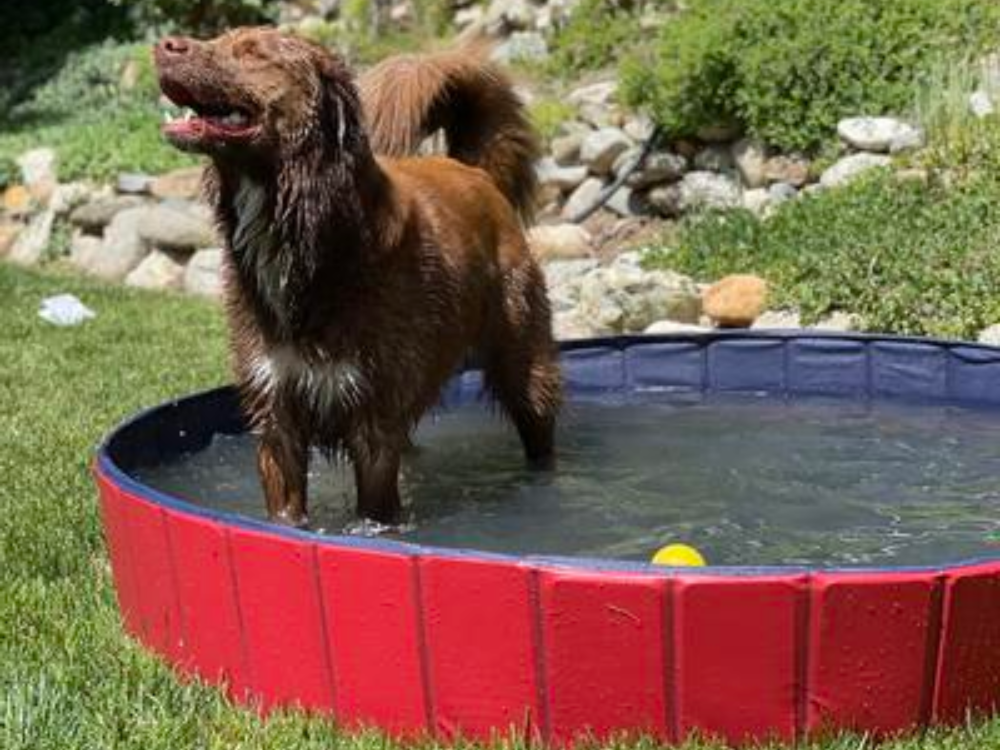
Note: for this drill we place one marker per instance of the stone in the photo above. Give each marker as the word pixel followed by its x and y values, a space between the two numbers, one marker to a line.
pixel 31 243
pixel 583 197
pixel 782 191
pixel 720 132
pixel 472 16
pixel 708 190
pixel 83 247
pixel 776 320
pixel 715 158
pixel 180 184
pixel 912 139
pixel 874 134
pixel 626 202
pixel 94 216
pixel 565 149
pixel 786 168
pixel 158 270
pixel 750 158
pixel 560 242
pixel 981 104
pixel 522 46
pixel 601 93
pixel 839 321
pixel 504 16
pixel 9 232
pixel 757 201
pixel 735 301
pixel 38 166
pixel 68 196
pixel 623 298
pixel 665 200
pixel 178 226
pixel 121 250
pixel 133 183
pixel 203 273
pixel 639 128
pixel 568 326
pixel 660 167
pixel 990 335
pixel 566 179
pixel 668 327
pixel 600 149
pixel 851 167
pixel 17 201
pixel 567 273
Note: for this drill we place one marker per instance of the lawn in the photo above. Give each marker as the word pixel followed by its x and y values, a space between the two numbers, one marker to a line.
pixel 69 678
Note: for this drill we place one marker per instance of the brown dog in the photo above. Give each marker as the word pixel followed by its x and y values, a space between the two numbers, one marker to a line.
pixel 355 283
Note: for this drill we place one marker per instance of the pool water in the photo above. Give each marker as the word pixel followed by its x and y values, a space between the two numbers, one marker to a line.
pixel 748 481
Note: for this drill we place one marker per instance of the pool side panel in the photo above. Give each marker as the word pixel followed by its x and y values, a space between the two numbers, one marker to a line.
pixel 117 537
pixel 605 641
pixel 479 623
pixel 372 624
pixel 871 637
pixel 969 667
pixel 283 622
pixel 974 375
pixel 738 656
pixel 214 640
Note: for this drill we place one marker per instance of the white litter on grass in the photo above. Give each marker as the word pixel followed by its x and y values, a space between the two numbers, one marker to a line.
pixel 64 310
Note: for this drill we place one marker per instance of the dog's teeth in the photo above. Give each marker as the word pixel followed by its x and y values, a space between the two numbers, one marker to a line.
pixel 168 117
pixel 188 115
pixel 235 118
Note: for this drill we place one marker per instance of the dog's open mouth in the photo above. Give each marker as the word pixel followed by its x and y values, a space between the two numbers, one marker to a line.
pixel 192 121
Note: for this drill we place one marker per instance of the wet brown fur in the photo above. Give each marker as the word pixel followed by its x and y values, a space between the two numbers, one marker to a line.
pixel 355 283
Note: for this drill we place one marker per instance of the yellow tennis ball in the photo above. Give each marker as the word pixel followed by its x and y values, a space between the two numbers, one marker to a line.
pixel 679 556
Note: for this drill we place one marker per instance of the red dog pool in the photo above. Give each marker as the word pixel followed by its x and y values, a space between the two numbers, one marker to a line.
pixel 420 640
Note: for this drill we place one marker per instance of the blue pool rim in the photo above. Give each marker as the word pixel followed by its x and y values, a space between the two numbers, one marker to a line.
pixel 786 363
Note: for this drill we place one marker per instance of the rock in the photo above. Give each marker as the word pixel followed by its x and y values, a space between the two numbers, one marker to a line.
pixel 504 16
pixel 665 200
pixel 31 243
pixel 568 325
pixel 851 167
pixel 781 192
pixel 666 327
pixel 583 197
pixel 134 183
pixel 17 201
pixel 911 140
pixel 203 273
pixel 735 301
pixel 721 132
pixel 626 202
pixel 638 128
pixel 873 133
pixel 181 184
pixel 757 201
pixel 158 270
pixel 621 298
pixel 990 335
pixel 567 273
pixel 9 232
pixel 839 321
pixel 660 167
pixel 94 216
pixel 750 158
pixel 120 252
pixel 560 242
pixel 522 46
pixel 601 94
pixel 715 158
pixel 708 190
pixel 68 196
pixel 466 18
pixel 775 320
pixel 791 169
pixel 565 179
pixel 83 247
pixel 38 166
pixel 566 149
pixel 981 104
pixel 178 226
pixel 600 149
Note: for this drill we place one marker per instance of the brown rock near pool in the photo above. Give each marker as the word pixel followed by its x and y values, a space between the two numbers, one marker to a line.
pixel 735 301
pixel 181 184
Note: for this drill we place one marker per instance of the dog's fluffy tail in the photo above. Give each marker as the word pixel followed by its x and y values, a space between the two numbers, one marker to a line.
pixel 409 97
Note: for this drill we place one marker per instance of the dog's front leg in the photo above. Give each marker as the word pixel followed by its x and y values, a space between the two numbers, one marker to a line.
pixel 282 462
pixel 376 475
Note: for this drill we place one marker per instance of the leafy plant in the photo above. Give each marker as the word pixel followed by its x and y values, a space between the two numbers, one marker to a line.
pixel 204 17
pixel 788 70
pixel 548 115
pixel 593 38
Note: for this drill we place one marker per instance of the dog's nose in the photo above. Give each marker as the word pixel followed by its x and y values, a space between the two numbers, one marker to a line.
pixel 175 45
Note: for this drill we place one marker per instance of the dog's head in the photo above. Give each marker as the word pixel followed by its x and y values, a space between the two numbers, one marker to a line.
pixel 254 91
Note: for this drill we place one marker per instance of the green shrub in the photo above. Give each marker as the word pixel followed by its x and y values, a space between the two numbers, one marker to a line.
pixel 202 17
pixel 907 257
pixel 593 38
pixel 788 70
pixel 548 115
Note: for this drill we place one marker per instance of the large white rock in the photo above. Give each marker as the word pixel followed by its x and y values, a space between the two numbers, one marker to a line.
pixel 178 226
pixel 203 273
pixel 38 166
pixel 30 246
pixel 120 252
pixel 708 190
pixel 874 133
pixel 565 179
pixel 851 167
pixel 158 270
pixel 560 242
pixel 750 157
pixel 623 298
pixel 600 149
pixel 583 197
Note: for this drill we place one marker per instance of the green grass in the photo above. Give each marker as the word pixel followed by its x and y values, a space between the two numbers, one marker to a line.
pixel 69 678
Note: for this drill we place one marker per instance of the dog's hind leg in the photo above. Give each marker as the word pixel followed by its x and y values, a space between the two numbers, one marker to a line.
pixel 520 362
pixel 376 476
pixel 283 462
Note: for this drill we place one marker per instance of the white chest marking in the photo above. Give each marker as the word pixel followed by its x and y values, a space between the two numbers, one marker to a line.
pixel 323 385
